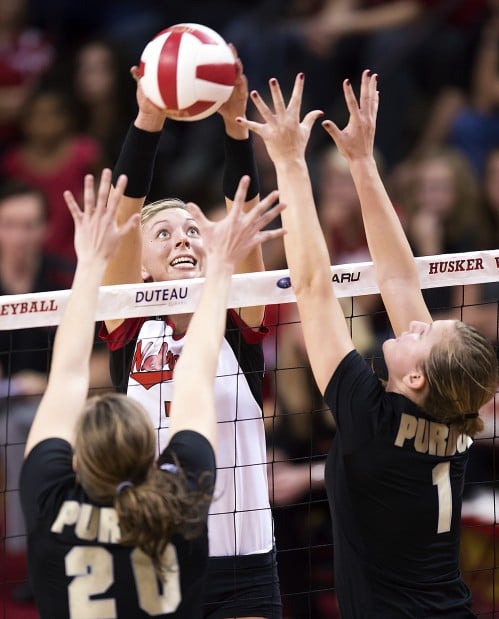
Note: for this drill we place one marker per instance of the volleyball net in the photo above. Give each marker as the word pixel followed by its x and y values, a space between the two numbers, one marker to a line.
pixel 270 287
pixel 298 426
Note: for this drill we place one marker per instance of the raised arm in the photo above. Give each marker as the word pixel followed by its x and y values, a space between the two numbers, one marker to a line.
pixel 239 161
pixel 226 243
pixel 96 238
pixel 321 315
pixel 396 271
pixel 136 160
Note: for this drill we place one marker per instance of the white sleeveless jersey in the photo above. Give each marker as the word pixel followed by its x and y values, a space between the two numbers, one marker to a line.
pixel 240 520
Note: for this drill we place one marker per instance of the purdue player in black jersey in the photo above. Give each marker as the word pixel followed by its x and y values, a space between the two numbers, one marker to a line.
pixel 112 532
pixel 395 470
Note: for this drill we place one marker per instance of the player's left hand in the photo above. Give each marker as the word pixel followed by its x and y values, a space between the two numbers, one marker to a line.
pixel 230 239
pixel 285 136
pixel 236 104
pixel 356 140
pixel 97 234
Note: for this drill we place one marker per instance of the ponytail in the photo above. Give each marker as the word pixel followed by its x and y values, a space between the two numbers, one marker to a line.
pixel 162 506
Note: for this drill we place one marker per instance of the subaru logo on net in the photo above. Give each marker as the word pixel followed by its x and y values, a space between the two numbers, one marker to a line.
pixel 284 282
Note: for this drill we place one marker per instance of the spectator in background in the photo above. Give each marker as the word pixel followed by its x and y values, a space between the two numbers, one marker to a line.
pixel 490 188
pixel 130 23
pixel 340 217
pixel 483 313
pixel 475 129
pixel 419 47
pixel 422 49
pixel 53 157
pixel 25 55
pixel 442 201
pixel 339 210
pixel 465 115
pixel 103 92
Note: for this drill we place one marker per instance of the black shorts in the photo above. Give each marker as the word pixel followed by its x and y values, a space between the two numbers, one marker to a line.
pixel 243 586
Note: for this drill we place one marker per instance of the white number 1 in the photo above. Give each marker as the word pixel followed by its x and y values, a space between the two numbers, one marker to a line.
pixel 441 479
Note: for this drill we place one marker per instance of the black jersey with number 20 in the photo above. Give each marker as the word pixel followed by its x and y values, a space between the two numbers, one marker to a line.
pixel 78 569
pixel 394 479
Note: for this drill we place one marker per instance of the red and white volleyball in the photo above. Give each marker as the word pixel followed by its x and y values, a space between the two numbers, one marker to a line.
pixel 189 70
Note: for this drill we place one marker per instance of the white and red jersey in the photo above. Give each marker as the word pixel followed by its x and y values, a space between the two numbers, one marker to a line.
pixel 143 357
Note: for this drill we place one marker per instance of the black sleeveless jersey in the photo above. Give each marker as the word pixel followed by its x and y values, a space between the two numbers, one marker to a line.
pixel 394 479
pixel 76 565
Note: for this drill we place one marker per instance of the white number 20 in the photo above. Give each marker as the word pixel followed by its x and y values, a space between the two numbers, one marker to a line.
pixel 441 479
pixel 92 571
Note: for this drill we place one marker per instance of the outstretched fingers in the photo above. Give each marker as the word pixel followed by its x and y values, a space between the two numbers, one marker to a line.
pixel 253 223
pixel 102 192
pixel 265 234
pixel 265 211
pixel 73 206
pixel 333 130
pixel 88 194
pixel 199 217
pixel 273 233
pixel 240 195
pixel 310 119
pixel 351 100
pixel 357 138
pixel 239 231
pixel 296 98
pixel 369 97
pixel 111 202
pixel 95 224
pixel 277 97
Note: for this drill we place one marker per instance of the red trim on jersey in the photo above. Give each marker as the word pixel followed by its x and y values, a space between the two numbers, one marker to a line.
pixel 123 334
pixel 250 335
pixel 130 328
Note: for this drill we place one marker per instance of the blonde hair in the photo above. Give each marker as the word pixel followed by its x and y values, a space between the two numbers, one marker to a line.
pixel 462 376
pixel 115 443
pixel 151 209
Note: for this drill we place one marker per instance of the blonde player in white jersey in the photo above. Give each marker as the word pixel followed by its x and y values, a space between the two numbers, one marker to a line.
pixel 242 569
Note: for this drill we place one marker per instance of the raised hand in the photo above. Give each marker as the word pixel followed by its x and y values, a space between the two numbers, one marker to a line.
pixel 97 234
pixel 236 104
pixel 356 140
pixel 282 132
pixel 232 238
pixel 146 106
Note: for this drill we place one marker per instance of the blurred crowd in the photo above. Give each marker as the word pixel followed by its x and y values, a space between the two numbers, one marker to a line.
pixel 66 99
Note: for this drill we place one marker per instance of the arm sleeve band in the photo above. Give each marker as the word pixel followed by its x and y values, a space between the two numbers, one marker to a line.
pixel 136 160
pixel 239 160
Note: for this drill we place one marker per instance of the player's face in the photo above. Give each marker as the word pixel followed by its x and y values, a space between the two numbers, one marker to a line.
pixel 436 188
pixel 22 227
pixel 406 352
pixel 172 247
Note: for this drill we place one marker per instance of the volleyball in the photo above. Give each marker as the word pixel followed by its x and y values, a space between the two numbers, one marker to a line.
pixel 189 70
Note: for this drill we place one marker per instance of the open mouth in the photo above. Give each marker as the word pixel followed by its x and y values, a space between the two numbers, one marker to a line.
pixel 183 262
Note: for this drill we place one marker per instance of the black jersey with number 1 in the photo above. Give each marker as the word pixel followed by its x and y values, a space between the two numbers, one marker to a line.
pixel 394 479
pixel 78 569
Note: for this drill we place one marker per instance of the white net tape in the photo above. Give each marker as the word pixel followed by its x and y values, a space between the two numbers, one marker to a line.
pixel 267 288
